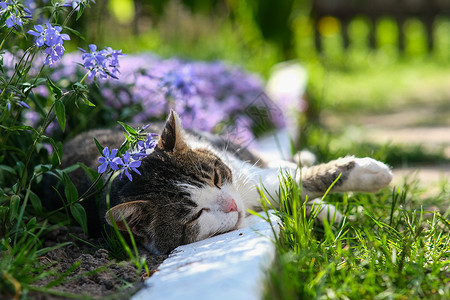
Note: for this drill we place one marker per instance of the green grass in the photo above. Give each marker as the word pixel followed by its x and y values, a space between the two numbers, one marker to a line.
pixel 388 247
pixel 384 87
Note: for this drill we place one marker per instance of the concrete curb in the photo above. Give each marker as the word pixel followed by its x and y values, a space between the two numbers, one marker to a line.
pixel 227 266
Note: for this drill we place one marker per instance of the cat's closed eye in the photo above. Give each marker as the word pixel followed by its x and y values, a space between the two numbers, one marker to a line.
pixel 217 179
pixel 198 215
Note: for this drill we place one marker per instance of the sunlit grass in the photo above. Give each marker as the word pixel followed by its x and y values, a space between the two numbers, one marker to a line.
pixel 388 247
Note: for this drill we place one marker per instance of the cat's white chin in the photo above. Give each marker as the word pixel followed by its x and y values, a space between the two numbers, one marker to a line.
pixel 213 223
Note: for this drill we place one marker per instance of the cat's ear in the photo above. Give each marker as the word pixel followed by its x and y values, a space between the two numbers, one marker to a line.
pixel 172 136
pixel 128 213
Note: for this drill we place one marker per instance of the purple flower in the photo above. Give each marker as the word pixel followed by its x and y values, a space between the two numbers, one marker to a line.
pixel 142 146
pixel 53 39
pixel 104 62
pixel 13 20
pixel 16 102
pixel 50 36
pixel 16 12
pixel 54 54
pixel 109 159
pixel 40 33
pixel 129 165
pixel 179 83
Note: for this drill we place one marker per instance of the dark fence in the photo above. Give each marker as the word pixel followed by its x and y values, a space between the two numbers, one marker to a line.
pixel 400 10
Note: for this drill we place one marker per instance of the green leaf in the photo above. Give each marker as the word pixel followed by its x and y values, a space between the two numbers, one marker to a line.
pixel 69 189
pixel 128 128
pixel 86 101
pixel 36 202
pixel 79 214
pixel 19 128
pixel 42 168
pixel 99 146
pixel 22 171
pixel 92 174
pixel 57 155
pixel 8 169
pixel 80 11
pixel 60 114
pixel 77 33
pixel 14 207
pixel 55 90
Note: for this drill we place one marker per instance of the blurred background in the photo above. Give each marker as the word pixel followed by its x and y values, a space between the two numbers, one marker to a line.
pixel 377 71
pixel 370 78
pixel 359 55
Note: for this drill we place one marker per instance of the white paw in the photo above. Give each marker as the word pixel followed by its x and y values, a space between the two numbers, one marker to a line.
pixel 369 175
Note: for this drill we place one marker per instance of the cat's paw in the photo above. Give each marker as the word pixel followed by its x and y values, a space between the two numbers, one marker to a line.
pixel 369 175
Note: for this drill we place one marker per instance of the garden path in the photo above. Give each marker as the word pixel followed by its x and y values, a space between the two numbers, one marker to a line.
pixel 428 126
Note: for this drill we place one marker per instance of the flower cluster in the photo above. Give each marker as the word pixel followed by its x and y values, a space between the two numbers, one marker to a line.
pixel 53 39
pixel 178 83
pixel 15 12
pixel 209 96
pixel 129 161
pixel 104 62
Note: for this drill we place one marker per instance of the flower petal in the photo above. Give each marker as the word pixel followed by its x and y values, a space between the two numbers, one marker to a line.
pixel 102 168
pixel 128 175
pixel 105 152
pixel 113 153
pixel 93 47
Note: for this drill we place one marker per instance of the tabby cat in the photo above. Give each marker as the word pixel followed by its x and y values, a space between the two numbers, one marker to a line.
pixel 195 185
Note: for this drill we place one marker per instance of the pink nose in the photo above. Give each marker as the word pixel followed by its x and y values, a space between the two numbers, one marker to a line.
pixel 231 206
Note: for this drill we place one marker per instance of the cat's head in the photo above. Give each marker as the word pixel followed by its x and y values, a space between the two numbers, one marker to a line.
pixel 185 194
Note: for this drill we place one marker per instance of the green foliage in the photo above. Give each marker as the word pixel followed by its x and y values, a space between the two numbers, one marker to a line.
pixel 25 161
pixel 385 248
pixel 19 259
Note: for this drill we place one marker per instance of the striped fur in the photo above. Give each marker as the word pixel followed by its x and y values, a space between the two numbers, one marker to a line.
pixel 195 185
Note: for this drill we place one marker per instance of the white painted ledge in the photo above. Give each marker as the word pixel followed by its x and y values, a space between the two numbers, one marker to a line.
pixel 228 266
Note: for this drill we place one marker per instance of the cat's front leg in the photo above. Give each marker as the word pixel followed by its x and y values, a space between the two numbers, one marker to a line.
pixel 355 174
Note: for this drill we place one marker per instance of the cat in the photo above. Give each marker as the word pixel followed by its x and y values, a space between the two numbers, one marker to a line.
pixel 195 185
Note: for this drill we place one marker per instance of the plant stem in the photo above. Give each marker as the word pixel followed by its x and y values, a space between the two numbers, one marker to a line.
pixel 15 72
pixel 26 96
pixel 46 123
pixel 84 77
pixel 7 35
pixel 70 15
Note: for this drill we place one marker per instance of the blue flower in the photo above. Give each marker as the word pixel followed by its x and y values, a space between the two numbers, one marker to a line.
pixel 104 62
pixel 17 102
pixel 109 159
pixel 50 36
pixel 129 165
pixel 53 39
pixel 13 20
pixel 142 146
pixel 179 83
pixel 54 54
pixel 40 33
pixel 16 12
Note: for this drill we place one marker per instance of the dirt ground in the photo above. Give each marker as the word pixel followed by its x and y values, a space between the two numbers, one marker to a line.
pixel 96 276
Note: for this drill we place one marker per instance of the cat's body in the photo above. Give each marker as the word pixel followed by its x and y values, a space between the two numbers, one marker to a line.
pixel 195 185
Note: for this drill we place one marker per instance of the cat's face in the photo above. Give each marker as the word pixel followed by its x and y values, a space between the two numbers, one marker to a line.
pixel 183 195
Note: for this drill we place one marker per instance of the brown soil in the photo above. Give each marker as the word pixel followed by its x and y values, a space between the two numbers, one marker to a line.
pixel 96 276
